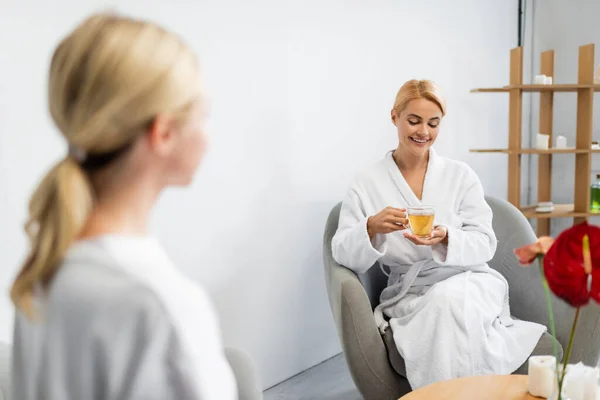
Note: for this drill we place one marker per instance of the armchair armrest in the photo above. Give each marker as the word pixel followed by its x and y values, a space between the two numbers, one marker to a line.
pixel 526 291
pixel 364 348
pixel 528 302
pixel 5 374
pixel 246 377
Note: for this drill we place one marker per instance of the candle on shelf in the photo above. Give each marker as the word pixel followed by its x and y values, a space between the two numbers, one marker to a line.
pixel 539 79
pixel 547 80
pixel 542 141
pixel 545 207
pixel 541 375
pixel 561 142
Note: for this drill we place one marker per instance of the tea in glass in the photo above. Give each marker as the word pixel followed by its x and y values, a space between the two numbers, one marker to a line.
pixel 421 220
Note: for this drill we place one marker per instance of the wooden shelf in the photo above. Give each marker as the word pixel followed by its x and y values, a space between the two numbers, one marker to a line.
pixel 560 211
pixel 538 88
pixel 584 88
pixel 536 151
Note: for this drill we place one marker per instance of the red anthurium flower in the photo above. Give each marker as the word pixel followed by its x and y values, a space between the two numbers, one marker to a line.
pixel 568 269
pixel 527 254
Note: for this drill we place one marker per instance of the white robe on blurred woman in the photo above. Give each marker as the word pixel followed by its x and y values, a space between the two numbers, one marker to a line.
pixel 448 310
pixel 123 319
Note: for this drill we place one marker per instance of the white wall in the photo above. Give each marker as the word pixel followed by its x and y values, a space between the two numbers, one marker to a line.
pixel 301 93
pixel 563 27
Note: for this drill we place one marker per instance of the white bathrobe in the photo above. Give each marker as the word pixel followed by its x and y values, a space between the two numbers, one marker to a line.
pixel 448 310
pixel 120 322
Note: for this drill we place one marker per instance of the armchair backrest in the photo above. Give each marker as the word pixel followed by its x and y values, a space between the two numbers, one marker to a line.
pixel 512 231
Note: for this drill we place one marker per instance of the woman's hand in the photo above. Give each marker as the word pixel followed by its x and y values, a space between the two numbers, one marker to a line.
pixel 438 234
pixel 386 221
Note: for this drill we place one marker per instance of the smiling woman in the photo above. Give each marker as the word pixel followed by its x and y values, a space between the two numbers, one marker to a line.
pixel 417 114
pixel 446 307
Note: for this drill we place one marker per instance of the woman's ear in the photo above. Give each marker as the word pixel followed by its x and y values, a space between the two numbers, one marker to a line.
pixel 393 114
pixel 161 134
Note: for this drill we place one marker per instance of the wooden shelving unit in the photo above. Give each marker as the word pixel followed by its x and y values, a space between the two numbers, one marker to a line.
pixel 539 88
pixel 536 151
pixel 582 151
pixel 560 211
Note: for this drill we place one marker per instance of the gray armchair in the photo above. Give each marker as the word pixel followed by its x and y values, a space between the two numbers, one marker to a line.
pixel 373 359
pixel 4 371
pixel 245 374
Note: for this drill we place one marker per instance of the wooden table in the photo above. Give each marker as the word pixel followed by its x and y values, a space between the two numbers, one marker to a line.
pixel 491 387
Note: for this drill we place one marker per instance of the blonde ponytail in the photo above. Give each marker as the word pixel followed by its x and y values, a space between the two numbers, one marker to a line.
pixel 108 79
pixel 58 210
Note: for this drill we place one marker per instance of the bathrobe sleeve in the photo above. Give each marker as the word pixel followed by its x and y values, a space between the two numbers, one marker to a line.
pixel 351 246
pixel 474 242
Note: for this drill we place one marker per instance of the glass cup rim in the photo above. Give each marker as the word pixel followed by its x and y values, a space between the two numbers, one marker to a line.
pixel 420 208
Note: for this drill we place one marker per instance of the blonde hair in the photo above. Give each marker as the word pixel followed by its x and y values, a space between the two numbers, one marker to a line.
pixel 419 89
pixel 108 80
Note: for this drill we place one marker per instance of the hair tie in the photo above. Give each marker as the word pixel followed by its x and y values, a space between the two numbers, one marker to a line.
pixel 78 154
pixel 91 161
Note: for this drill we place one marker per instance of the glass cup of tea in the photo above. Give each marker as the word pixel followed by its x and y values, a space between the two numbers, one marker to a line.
pixel 420 220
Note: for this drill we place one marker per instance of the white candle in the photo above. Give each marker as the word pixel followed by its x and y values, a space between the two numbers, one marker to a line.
pixel 542 141
pixel 541 375
pixel 539 79
pixel 547 80
pixel 561 142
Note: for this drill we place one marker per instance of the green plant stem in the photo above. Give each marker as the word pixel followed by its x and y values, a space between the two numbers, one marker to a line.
pixel 569 347
pixel 550 311
pixel 550 318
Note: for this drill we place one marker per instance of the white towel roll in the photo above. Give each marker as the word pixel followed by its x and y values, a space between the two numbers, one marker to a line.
pixel 580 382
pixel 541 375
pixel 591 376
